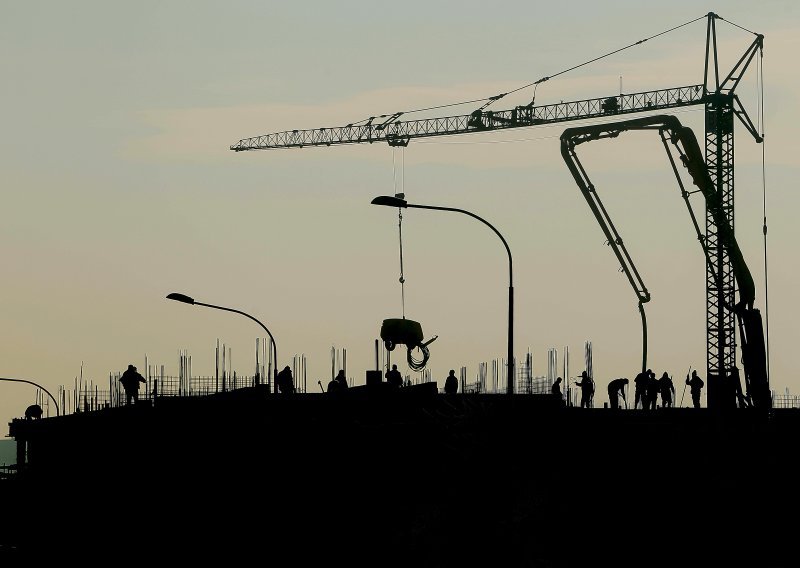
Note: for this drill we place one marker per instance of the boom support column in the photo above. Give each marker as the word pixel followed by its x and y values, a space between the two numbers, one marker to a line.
pixel 720 322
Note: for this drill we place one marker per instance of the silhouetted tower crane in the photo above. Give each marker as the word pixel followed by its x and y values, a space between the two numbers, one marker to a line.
pixel 716 94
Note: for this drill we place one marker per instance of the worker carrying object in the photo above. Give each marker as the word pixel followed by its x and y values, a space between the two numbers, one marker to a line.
pixel 131 379
pixel 696 384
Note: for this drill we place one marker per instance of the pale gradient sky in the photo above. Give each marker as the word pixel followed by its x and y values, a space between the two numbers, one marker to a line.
pixel 119 186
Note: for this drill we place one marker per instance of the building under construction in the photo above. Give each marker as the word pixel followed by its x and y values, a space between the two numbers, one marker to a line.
pixel 408 476
pixel 503 473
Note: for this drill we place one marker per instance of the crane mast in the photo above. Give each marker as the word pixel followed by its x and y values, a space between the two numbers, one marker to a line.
pixel 721 105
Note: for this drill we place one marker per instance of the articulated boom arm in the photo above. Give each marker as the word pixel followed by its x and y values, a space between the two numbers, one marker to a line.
pixel 398 133
pixel 691 156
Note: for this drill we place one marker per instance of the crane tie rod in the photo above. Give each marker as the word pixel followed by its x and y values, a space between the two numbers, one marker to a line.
pixel 489 100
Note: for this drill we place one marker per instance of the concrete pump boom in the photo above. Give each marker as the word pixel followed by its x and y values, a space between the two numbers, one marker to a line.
pixel 691 156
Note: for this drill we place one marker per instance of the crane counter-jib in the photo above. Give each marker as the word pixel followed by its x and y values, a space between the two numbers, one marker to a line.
pixel 398 133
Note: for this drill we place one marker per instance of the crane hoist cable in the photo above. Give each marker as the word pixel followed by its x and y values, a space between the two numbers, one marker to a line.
pixel 413 362
pixel 400 330
pixel 400 194
pixel 408 332
pixel 402 277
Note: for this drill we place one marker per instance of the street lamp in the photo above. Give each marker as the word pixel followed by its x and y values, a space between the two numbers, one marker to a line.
pixel 58 412
pixel 390 201
pixel 189 300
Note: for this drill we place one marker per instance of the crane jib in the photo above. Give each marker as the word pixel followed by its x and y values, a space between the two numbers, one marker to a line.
pixel 398 133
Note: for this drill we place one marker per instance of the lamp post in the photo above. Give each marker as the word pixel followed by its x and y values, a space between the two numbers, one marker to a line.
pixel 189 300
pixel 390 201
pixel 58 412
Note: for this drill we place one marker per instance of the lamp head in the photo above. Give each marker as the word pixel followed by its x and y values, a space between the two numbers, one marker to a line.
pixel 180 298
pixel 390 201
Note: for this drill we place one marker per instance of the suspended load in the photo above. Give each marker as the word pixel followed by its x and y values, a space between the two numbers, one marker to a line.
pixel 400 330
pixel 395 331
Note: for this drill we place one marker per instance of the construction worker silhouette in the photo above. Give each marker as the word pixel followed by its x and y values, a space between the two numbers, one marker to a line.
pixel 587 390
pixel 285 381
pixel 341 380
pixel 33 412
pixel 130 380
pixel 333 386
pixel 616 388
pixel 640 390
pixel 556 388
pixel 394 378
pixel 667 390
pixel 451 383
pixel 695 386
pixel 651 390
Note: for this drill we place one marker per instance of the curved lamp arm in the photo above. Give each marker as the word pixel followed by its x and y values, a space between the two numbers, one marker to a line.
pixel 189 300
pixel 58 411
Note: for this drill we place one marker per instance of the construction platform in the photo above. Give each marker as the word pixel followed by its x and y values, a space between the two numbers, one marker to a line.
pixel 407 477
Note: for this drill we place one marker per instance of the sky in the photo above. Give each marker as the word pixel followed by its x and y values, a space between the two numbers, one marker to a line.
pixel 119 186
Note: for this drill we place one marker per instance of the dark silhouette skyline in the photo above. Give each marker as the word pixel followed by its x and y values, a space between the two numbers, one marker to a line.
pixel 408 475
pixel 391 472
